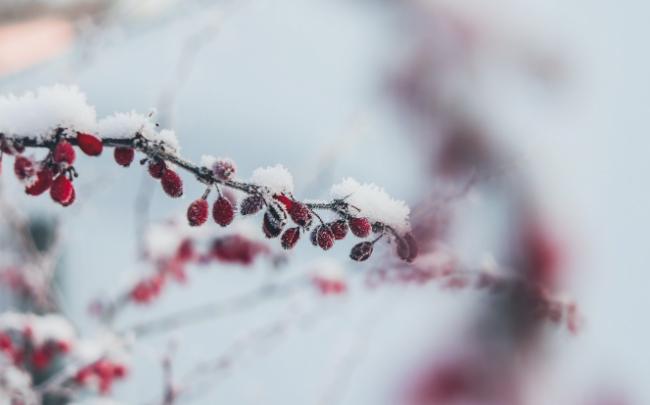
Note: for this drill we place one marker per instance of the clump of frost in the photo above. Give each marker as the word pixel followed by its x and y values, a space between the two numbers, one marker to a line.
pixel 374 203
pixel 43 327
pixel 40 113
pixel 277 179
pixel 126 125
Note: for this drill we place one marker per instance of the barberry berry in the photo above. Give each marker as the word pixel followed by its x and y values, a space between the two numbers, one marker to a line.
pixel 361 251
pixel 124 156
pixel 62 190
pixel 157 168
pixel 251 204
pixel 407 248
pixel 290 237
pixel 222 211
pixel 360 226
pixel 90 144
pixel 286 201
pixel 224 169
pixel 64 152
pixel 23 167
pixel 197 212
pixel 172 183
pixel 300 214
pixel 339 229
pixel 325 238
pixel 41 183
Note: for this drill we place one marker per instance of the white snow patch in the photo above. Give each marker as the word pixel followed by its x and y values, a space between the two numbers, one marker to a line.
pixel 44 327
pixel 327 269
pixel 374 203
pixel 277 179
pixel 40 113
pixel 126 125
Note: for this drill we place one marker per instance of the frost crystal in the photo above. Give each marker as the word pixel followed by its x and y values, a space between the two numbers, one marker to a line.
pixel 40 113
pixel 276 179
pixel 373 203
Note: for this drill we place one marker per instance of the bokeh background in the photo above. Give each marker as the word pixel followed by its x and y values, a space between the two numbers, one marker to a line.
pixel 561 87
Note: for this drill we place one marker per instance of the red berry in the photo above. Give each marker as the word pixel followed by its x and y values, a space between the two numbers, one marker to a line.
pixel 64 152
pixel 286 201
pixel 157 168
pixel 41 183
pixel 407 248
pixel 124 156
pixel 197 212
pixel 62 190
pixel 325 238
pixel 224 169
pixel 251 204
pixel 223 212
pixel 360 226
pixel 89 144
pixel 71 199
pixel 300 214
pixel 361 251
pixel 172 183
pixel 23 167
pixel 339 229
pixel 290 237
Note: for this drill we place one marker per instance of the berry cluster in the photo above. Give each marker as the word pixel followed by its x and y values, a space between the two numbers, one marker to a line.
pixel 24 351
pixel 102 373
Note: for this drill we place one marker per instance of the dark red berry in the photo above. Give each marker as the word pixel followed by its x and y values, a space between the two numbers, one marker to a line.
pixel 89 144
pixel 270 226
pixel 224 169
pixel 157 168
pixel 286 201
pixel 360 226
pixel 251 204
pixel 23 167
pixel 197 212
pixel 41 183
pixel 124 156
pixel 325 238
pixel 222 211
pixel 172 184
pixel 300 214
pixel 64 152
pixel 361 251
pixel 407 248
pixel 62 190
pixel 73 196
pixel 339 229
pixel 290 237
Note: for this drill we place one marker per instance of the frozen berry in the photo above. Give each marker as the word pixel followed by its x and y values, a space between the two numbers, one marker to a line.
pixel 222 211
pixel 360 226
pixel 339 229
pixel 23 167
pixel 251 204
pixel 286 201
pixel 300 214
pixel 64 152
pixel 124 156
pixel 157 168
pixel 290 237
pixel 361 251
pixel 325 238
pixel 172 183
pixel 89 144
pixel 62 190
pixel 314 235
pixel 224 169
pixel 41 183
pixel 197 212
pixel 407 248
pixel 270 226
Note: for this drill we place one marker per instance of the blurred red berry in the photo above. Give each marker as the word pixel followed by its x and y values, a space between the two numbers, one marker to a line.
pixel 124 156
pixel 290 237
pixel 197 212
pixel 23 167
pixel 360 226
pixel 172 183
pixel 407 248
pixel 89 144
pixel 64 153
pixel 62 190
pixel 223 212
pixel 41 183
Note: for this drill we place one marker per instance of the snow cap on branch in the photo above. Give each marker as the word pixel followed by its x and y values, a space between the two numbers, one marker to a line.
pixel 126 125
pixel 40 113
pixel 277 179
pixel 374 203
